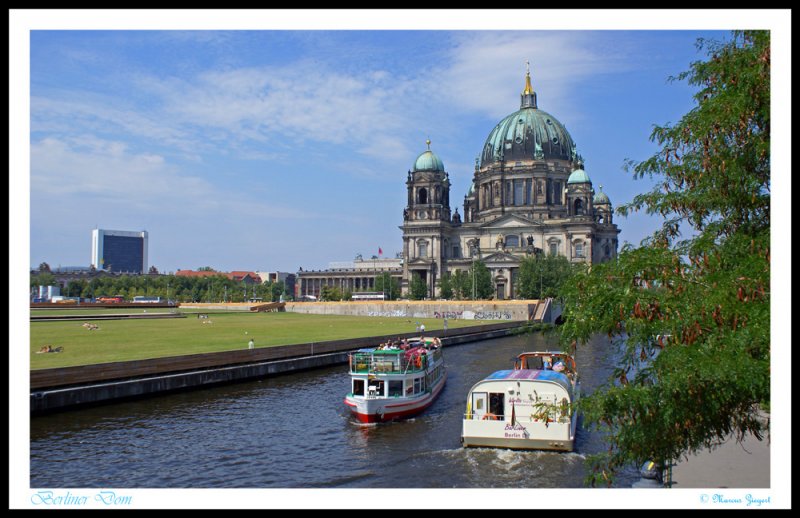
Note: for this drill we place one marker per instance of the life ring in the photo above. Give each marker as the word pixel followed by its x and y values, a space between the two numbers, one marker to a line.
pixel 490 417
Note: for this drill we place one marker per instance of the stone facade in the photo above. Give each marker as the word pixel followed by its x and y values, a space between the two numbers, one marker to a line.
pixel 529 195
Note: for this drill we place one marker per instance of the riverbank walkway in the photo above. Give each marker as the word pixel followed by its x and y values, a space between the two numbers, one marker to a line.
pixel 730 465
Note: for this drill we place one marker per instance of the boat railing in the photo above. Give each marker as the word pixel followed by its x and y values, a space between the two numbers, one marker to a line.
pixel 380 363
pixel 489 417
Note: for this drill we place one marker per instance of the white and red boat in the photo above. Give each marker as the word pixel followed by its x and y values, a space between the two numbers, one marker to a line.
pixel 395 381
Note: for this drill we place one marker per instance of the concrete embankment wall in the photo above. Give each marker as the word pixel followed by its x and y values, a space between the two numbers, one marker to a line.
pixel 71 387
pixel 220 306
pixel 511 310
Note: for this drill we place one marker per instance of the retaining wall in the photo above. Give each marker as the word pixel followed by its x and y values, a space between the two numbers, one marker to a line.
pixel 522 310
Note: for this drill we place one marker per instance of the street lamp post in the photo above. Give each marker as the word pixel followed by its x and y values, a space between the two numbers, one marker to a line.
pixel 474 253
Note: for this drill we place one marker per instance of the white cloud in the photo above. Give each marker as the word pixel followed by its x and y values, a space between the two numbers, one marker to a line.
pixel 109 172
pixel 285 106
pixel 487 67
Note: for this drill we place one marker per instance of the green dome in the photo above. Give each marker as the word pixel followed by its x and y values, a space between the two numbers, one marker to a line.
pixel 527 134
pixel 601 198
pixel 428 161
pixel 578 176
pixel 471 189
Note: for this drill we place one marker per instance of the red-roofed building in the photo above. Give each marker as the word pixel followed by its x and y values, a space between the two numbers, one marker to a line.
pixel 238 276
pixel 246 277
pixel 192 273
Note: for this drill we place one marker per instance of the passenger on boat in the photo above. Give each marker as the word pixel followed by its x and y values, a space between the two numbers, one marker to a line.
pixel 559 366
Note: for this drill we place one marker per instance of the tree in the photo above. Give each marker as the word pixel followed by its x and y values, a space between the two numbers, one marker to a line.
pixel 542 276
pixel 44 267
pixel 43 279
pixel 691 316
pixel 331 293
pixel 446 287
pixel 418 288
pixel 458 280
pixel 276 290
pixel 387 284
pixel 205 269
pixel 483 281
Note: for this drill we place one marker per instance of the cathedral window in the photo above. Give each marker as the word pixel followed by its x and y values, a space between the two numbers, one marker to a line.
pixel 578 207
pixel 579 249
pixel 519 198
pixel 553 249
pixel 512 241
pixel 423 249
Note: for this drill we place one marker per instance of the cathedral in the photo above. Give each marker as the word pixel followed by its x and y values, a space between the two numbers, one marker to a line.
pixel 529 195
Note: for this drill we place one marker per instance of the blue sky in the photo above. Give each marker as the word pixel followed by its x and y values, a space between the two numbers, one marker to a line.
pixel 272 150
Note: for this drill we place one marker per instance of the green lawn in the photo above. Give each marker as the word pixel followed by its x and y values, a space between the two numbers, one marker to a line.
pixel 120 340
pixel 89 312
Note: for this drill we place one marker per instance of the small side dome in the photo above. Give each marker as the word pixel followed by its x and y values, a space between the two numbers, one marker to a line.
pixel 471 189
pixel 428 161
pixel 578 176
pixel 601 198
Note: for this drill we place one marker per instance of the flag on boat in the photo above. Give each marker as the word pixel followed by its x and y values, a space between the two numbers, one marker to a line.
pixel 513 414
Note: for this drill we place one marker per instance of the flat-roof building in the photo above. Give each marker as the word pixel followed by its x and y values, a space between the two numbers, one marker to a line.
pixel 119 250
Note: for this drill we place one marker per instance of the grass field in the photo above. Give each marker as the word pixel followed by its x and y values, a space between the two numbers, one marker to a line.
pixel 89 312
pixel 120 340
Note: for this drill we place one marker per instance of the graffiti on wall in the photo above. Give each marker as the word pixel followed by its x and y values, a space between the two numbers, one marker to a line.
pixel 492 315
pixel 395 313
pixel 452 315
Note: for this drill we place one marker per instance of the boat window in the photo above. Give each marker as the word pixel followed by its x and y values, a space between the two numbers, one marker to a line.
pixel 534 362
pixel 395 388
pixel 358 387
pixel 496 404
pixel 417 385
pixel 376 387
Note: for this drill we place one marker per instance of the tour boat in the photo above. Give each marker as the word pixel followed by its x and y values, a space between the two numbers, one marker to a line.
pixel 530 407
pixel 396 380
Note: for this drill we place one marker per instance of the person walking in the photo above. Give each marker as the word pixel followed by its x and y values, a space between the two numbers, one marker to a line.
pixel 251 344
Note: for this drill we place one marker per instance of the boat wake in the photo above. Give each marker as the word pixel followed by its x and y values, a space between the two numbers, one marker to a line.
pixel 358 423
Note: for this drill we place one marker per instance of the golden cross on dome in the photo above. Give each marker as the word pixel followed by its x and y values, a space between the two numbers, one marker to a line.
pixel 528 88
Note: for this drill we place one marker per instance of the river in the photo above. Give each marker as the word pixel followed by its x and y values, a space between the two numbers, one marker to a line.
pixel 294 431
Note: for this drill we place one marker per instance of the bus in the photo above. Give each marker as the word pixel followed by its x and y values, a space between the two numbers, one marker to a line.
pixel 369 295
pixel 145 300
